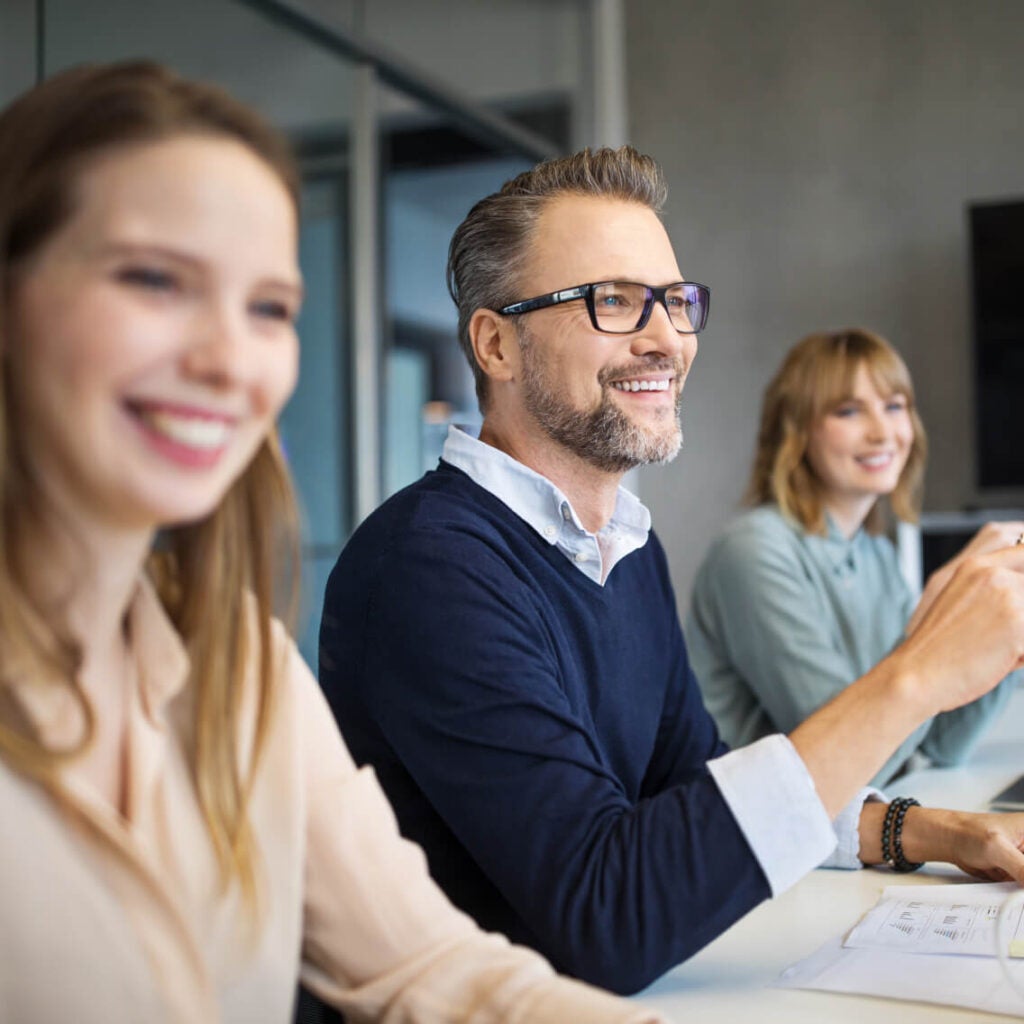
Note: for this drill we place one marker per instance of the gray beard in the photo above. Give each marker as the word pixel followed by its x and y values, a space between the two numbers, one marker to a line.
pixel 606 437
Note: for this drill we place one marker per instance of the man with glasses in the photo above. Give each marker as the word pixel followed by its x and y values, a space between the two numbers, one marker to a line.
pixel 500 639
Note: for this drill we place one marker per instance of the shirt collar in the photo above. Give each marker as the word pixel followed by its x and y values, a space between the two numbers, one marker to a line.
pixel 841 550
pixel 164 663
pixel 543 507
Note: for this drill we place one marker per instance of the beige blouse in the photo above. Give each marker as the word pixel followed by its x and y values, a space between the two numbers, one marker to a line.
pixel 105 918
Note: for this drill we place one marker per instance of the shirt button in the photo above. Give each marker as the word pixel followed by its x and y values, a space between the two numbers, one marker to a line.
pixel 581 556
pixel 566 514
pixel 549 531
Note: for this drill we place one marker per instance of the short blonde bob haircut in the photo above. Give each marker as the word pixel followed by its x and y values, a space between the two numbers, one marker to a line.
pixel 816 376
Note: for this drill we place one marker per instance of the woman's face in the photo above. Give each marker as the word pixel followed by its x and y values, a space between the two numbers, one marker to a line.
pixel 152 339
pixel 859 448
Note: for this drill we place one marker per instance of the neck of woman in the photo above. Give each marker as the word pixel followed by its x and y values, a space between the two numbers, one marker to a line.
pixel 82 580
pixel 849 514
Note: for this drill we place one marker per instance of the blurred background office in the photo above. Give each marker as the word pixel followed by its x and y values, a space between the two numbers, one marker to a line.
pixel 830 163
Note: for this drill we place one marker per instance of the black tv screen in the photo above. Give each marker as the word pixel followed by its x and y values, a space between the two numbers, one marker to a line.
pixel 997 270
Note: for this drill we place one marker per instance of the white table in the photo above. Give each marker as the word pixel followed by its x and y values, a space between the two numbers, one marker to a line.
pixel 729 981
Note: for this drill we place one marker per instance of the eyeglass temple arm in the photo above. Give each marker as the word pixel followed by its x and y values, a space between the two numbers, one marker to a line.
pixel 542 301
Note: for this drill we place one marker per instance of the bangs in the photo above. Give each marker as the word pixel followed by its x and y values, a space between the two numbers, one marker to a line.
pixel 816 376
pixel 839 365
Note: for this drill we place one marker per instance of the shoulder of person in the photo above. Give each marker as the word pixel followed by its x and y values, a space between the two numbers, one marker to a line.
pixel 442 501
pixel 757 532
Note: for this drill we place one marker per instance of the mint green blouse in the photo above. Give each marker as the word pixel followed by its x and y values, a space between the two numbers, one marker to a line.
pixel 781 620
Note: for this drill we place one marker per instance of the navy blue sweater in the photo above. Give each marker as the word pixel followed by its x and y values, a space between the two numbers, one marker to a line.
pixel 542 737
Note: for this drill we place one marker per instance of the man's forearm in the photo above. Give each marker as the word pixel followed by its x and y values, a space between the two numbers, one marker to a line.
pixel 848 740
pixel 929 833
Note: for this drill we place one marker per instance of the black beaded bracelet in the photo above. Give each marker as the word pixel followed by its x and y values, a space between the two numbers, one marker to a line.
pixel 892 834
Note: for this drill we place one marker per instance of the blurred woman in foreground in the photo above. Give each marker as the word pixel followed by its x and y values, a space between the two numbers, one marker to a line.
pixel 184 832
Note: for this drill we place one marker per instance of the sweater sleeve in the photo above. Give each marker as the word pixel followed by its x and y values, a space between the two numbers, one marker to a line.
pixel 458 674
pixel 381 942
pixel 758 624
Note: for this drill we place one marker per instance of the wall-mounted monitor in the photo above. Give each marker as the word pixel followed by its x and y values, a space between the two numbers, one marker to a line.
pixel 997 273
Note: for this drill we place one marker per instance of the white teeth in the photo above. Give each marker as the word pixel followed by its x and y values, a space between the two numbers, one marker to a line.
pixel 193 431
pixel 641 385
pixel 875 460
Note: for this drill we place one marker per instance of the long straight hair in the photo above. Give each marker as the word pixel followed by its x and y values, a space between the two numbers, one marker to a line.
pixel 220 579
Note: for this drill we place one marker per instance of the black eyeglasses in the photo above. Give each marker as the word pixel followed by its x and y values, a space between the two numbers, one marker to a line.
pixel 621 307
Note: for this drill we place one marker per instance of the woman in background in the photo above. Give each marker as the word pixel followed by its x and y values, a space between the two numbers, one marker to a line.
pixel 803 594
pixel 183 829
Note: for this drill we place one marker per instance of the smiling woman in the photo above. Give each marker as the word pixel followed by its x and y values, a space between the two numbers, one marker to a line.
pixel 803 594
pixel 184 832
pixel 152 355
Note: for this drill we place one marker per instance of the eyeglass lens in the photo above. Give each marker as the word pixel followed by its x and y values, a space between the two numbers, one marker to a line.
pixel 619 306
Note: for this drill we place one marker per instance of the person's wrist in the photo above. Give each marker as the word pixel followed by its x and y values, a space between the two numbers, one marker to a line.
pixel 892 835
pixel 872 815
pixel 907 692
pixel 927 834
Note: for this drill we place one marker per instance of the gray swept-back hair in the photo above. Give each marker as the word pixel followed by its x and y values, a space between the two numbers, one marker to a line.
pixel 489 248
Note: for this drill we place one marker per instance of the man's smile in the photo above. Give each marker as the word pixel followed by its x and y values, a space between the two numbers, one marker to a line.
pixel 662 384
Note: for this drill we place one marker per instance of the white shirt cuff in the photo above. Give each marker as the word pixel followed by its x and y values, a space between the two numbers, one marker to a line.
pixel 847 829
pixel 771 794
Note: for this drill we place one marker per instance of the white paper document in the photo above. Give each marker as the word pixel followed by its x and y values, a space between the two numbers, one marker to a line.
pixel 892 951
pixel 959 919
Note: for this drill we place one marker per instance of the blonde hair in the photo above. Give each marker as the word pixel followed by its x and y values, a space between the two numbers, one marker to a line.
pixel 217 578
pixel 816 376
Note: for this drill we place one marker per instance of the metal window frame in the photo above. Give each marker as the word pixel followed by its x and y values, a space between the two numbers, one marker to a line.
pixel 375 66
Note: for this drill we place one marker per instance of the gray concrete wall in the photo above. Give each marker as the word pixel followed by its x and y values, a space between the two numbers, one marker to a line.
pixel 820 154
pixel 492 50
pixel 17 48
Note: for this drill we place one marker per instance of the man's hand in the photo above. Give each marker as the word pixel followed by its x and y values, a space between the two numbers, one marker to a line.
pixel 989 846
pixel 991 537
pixel 968 640
pixel 972 635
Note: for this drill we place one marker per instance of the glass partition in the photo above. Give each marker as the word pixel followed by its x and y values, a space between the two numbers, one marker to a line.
pixel 431 173
pixel 429 162
pixel 307 92
pixel 315 423
pixel 295 83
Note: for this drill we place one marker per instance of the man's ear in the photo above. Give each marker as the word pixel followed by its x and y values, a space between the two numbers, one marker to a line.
pixel 495 345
